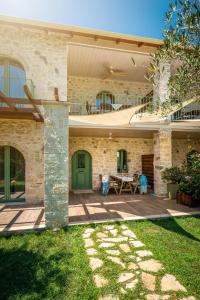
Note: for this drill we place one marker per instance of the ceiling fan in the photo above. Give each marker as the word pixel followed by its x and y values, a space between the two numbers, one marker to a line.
pixel 111 71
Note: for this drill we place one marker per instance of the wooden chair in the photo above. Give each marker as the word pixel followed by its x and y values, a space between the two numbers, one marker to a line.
pixel 135 183
pixel 114 186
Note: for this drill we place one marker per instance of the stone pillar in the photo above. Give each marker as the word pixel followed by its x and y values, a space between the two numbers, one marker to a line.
pixel 56 163
pixel 162 159
pixel 161 89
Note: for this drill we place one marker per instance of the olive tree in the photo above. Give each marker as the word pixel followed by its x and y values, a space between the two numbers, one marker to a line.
pixel 181 46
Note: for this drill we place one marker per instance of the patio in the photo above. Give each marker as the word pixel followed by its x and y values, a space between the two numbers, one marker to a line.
pixel 93 208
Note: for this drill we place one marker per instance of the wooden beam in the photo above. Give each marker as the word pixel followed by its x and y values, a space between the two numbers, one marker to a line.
pixel 4 99
pixel 20 101
pixel 140 44
pixel 56 94
pixel 19 115
pixel 21 110
pixel 30 98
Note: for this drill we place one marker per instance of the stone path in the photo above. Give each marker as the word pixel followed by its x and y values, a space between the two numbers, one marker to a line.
pixel 137 267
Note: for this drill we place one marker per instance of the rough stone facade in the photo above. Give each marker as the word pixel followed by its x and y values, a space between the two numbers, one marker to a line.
pixel 82 89
pixel 181 147
pixel 43 56
pixel 27 137
pixel 56 163
pixel 162 159
pixel 104 153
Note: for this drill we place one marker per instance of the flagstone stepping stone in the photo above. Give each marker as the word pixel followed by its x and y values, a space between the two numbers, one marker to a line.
pixel 150 265
pixel 88 243
pixel 113 252
pixel 157 297
pixel 132 266
pixel 170 283
pixel 124 226
pixel 125 248
pixel 116 260
pixel 91 251
pixel 137 244
pixel 95 263
pixel 132 284
pixel 89 230
pixel 132 257
pixel 114 232
pixel 123 291
pixel 86 235
pixel 100 281
pixel 138 259
pixel 149 281
pixel 115 239
pixel 101 235
pixel 109 227
pixel 125 277
pixel 109 297
pixel 143 253
pixel 129 233
pixel 106 245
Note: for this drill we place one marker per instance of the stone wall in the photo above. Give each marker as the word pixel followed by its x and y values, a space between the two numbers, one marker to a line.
pixel 43 56
pixel 56 163
pixel 27 137
pixel 104 153
pixel 180 149
pixel 162 159
pixel 82 89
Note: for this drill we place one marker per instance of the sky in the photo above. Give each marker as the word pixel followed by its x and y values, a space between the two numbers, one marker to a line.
pixel 135 17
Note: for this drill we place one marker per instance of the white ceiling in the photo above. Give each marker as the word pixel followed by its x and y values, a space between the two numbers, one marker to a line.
pixel 94 62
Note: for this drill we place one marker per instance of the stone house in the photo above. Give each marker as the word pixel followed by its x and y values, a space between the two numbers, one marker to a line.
pixel 81 113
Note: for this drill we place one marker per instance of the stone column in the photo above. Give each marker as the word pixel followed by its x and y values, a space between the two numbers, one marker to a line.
pixel 56 163
pixel 161 89
pixel 162 159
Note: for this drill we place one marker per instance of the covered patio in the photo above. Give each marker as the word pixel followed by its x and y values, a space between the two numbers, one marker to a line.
pixel 93 208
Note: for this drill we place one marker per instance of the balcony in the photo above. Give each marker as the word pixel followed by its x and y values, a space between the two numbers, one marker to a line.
pixel 107 103
pixel 187 113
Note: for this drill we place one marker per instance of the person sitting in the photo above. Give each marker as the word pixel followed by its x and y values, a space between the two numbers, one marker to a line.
pixel 143 184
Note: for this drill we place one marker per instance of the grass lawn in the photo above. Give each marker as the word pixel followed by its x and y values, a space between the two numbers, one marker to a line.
pixel 54 265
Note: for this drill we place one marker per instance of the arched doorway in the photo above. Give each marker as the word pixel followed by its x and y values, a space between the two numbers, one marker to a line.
pixel 12 175
pixel 81 170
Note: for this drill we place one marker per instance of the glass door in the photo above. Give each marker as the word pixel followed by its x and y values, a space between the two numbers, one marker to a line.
pixel 12 175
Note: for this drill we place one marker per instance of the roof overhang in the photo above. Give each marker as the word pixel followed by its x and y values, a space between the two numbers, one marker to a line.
pixel 72 31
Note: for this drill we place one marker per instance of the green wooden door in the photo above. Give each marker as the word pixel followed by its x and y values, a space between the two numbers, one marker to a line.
pixel 81 171
pixel 12 175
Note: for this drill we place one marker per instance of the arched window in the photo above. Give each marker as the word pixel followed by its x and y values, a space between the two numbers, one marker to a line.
pixel 104 101
pixel 12 78
pixel 12 174
pixel 122 161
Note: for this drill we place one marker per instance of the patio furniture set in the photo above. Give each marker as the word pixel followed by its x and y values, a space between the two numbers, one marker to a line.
pixel 123 183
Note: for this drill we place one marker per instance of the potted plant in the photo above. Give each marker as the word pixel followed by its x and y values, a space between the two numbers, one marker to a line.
pixel 173 177
pixel 189 187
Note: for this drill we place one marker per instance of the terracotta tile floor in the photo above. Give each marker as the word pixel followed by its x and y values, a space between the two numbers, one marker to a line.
pixel 85 208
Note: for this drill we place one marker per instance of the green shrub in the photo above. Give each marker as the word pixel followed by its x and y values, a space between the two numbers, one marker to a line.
pixel 173 175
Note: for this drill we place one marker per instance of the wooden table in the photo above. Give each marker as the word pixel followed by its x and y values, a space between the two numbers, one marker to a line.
pixel 125 183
